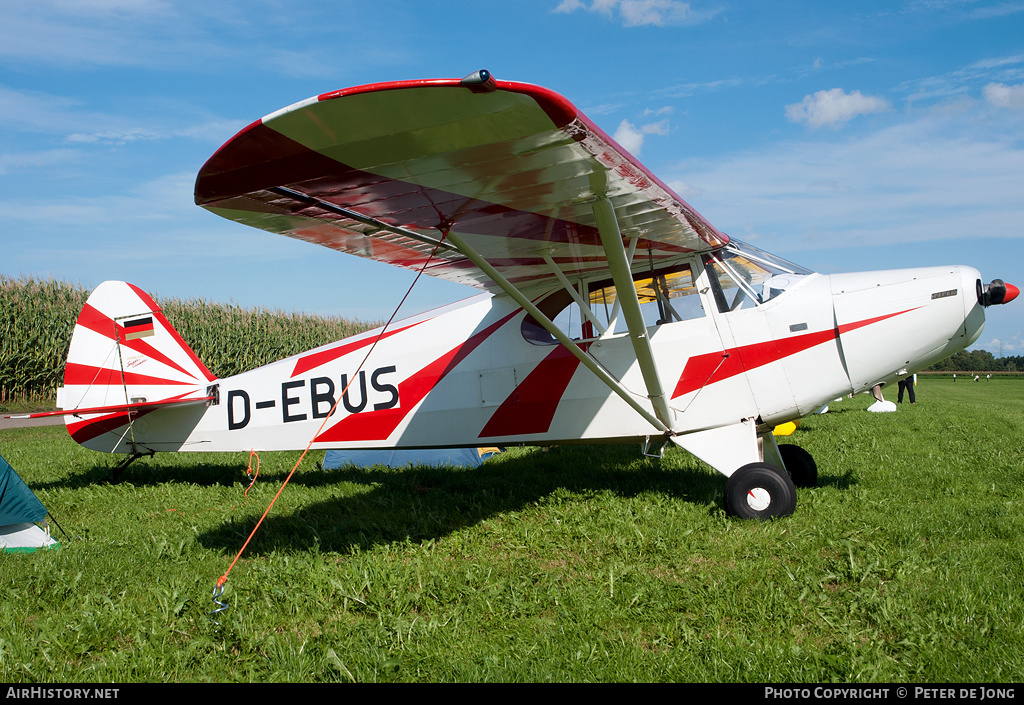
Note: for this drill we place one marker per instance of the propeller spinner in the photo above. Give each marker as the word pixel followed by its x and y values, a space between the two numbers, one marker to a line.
pixel 997 292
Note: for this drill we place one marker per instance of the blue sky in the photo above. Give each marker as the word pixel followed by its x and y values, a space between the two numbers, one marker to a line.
pixel 843 136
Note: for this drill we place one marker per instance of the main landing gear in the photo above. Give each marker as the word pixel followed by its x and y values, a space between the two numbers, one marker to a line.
pixel 765 491
pixel 800 465
pixel 760 491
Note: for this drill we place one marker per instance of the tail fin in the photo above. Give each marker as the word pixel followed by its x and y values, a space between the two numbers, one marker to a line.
pixel 125 360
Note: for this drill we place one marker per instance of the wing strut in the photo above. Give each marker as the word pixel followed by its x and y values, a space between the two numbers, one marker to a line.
pixel 554 330
pixel 584 306
pixel 374 224
pixel 615 253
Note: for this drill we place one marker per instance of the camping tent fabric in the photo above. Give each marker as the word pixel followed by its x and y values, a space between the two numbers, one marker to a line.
pixel 19 509
pixel 457 457
pixel 17 503
pixel 23 538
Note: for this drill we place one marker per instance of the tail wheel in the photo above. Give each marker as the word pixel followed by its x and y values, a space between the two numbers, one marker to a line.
pixel 760 491
pixel 800 464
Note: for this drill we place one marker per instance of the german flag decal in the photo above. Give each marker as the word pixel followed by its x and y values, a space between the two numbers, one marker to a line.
pixel 138 328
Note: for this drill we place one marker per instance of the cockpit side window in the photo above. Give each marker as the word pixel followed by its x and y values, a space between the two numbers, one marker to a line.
pixel 666 295
pixel 559 307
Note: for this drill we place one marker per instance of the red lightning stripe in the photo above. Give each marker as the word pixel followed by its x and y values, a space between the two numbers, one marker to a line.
pixel 532 405
pixel 314 360
pixel 702 370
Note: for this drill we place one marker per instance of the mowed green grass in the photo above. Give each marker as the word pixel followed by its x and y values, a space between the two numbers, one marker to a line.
pixel 586 563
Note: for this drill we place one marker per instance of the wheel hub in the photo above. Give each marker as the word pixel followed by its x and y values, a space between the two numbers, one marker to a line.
pixel 758 499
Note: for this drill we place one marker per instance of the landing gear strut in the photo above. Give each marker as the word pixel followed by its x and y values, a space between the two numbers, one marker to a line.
pixel 115 474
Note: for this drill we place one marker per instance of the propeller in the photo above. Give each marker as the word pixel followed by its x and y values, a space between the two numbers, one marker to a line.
pixel 997 292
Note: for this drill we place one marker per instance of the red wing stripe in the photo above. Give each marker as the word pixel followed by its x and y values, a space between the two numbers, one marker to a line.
pixel 83 431
pixel 274 159
pixel 171 401
pixel 88 429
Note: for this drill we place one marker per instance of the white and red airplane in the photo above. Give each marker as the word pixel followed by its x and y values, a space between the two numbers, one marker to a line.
pixel 610 310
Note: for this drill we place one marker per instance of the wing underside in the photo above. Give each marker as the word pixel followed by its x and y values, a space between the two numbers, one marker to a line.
pixel 385 171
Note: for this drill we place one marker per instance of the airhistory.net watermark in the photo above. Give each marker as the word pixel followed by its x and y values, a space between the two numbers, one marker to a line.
pixel 59 693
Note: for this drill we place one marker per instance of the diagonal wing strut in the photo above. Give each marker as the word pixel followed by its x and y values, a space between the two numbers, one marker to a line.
pixel 557 332
pixel 618 263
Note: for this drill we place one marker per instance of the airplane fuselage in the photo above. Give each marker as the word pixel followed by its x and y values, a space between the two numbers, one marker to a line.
pixel 478 373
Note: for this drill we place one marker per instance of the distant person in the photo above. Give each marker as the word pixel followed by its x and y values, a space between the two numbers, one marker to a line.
pixel 907 383
pixel 954 376
pixel 976 378
pixel 988 378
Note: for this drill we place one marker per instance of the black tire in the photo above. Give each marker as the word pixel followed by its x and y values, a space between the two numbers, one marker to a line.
pixel 800 465
pixel 760 491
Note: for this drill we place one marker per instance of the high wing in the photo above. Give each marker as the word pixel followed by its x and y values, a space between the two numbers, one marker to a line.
pixel 511 170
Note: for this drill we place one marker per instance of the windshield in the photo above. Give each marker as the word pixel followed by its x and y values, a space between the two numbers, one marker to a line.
pixel 743 276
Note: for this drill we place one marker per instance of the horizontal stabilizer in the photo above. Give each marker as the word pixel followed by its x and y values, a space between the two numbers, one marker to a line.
pixel 116 408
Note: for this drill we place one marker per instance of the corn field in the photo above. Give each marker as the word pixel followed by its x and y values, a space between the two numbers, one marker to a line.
pixel 37 318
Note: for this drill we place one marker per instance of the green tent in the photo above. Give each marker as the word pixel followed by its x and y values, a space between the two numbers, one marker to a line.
pixel 20 510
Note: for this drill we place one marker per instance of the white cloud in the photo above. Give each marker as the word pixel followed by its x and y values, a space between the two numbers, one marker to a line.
pixel 930 180
pixel 631 138
pixel 664 110
pixel 834 107
pixel 1003 96
pixel 686 191
pixel 34 112
pixel 30 161
pixel 163 198
pixel 113 136
pixel 638 13
pixel 90 34
pixel 1001 72
pixel 567 6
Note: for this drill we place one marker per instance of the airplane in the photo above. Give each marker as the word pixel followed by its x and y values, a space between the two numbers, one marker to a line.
pixel 610 311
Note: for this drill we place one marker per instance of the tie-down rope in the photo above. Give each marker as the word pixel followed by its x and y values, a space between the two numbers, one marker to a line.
pixel 219 587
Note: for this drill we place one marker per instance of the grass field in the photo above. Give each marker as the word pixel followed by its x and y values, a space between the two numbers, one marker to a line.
pixel 579 564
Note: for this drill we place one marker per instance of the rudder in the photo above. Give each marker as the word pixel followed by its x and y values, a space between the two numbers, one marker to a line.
pixel 125 359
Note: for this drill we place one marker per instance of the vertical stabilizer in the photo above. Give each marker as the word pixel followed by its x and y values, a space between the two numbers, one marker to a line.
pixel 124 355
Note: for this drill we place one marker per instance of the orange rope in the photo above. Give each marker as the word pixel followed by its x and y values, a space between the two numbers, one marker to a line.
pixel 224 578
pixel 250 473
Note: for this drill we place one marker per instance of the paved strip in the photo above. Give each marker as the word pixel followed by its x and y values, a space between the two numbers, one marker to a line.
pixel 28 423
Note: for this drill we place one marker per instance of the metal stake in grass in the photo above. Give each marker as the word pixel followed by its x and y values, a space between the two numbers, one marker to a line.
pixel 218 590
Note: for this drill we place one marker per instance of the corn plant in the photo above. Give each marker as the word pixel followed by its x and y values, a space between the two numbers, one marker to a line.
pixel 37 318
